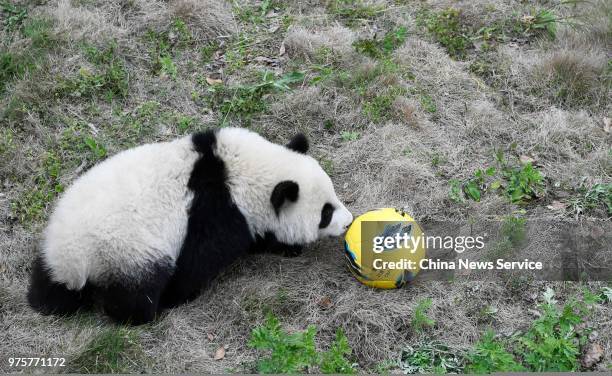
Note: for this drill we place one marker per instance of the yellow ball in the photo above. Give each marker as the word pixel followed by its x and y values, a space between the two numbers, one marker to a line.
pixel 360 255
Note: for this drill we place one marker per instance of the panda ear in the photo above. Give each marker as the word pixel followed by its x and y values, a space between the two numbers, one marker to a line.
pixel 285 190
pixel 298 143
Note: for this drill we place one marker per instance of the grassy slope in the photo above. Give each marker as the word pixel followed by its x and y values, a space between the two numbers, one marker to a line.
pixel 82 80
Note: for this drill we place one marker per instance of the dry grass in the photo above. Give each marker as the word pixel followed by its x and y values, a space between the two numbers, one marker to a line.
pixel 420 118
pixel 301 42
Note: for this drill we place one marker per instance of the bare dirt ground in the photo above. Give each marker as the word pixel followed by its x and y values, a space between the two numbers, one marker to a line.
pixel 402 101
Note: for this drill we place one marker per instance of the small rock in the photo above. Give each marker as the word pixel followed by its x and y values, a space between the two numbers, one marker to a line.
pixel 526 159
pixel 557 205
pixel 213 81
pixel 592 355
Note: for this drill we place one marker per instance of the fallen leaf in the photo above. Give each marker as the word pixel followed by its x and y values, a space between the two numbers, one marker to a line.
pixel 607 125
pixel 557 205
pixel 210 336
pixel 592 355
pixel 281 51
pixel 273 28
pixel 526 159
pixel 220 353
pixel 325 302
pixel 213 81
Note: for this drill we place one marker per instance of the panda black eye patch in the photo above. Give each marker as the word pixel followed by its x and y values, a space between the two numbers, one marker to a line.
pixel 326 215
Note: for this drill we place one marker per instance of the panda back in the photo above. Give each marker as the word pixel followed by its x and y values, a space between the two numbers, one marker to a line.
pixel 122 215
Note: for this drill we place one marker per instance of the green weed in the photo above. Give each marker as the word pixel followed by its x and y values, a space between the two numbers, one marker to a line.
pixel 376 48
pixel 437 159
pixel 432 357
pixel 327 165
pixel 606 294
pixel 428 103
pixel 551 344
pixel 379 107
pixel 349 136
pixel 112 82
pixel 523 183
pixel 164 44
pixel 520 182
pixel 255 14
pixel 167 66
pixel 546 21
pixel 334 360
pixel 541 20
pixel 455 193
pixel 490 355
pixel 245 101
pixel 184 123
pixel 14 15
pixel 112 351
pixel 98 150
pixel 236 53
pixel 473 187
pixel 420 320
pixel 296 353
pixel 207 52
pixel 14 65
pixel 31 205
pixel 448 29
pixel 110 78
pixel 353 12
pixel 7 143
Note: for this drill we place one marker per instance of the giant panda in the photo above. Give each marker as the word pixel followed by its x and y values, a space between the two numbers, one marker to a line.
pixel 147 228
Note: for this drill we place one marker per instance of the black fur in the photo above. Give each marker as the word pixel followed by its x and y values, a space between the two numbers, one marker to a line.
pixel 217 233
pixel 137 302
pixel 269 243
pixel 326 215
pixel 49 297
pixel 284 191
pixel 299 143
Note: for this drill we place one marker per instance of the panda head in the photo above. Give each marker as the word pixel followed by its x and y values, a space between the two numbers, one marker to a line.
pixel 306 205
pixel 280 189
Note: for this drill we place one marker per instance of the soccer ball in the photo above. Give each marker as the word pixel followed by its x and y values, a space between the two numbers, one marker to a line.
pixel 359 248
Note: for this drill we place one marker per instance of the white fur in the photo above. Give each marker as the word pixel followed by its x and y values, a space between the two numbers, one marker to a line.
pixel 123 213
pixel 131 209
pixel 256 165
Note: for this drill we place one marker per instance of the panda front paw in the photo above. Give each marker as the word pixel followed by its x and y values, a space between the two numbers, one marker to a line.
pixel 293 250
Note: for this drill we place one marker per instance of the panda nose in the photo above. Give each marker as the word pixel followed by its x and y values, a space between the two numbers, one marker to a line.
pixel 349 221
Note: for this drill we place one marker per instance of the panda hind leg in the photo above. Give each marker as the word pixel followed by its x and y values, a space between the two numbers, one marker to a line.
pixel 49 297
pixel 136 303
